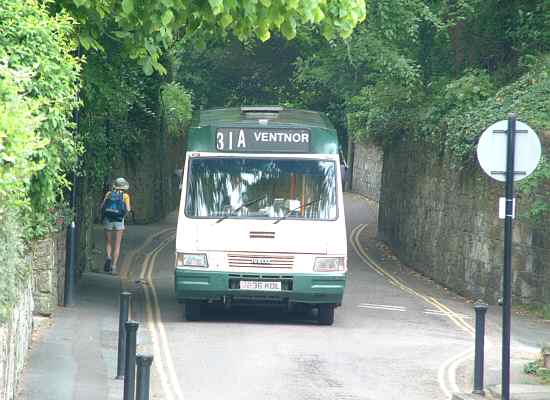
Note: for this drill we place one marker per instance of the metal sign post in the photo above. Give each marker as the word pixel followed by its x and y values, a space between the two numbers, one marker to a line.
pixel 522 156
pixel 507 273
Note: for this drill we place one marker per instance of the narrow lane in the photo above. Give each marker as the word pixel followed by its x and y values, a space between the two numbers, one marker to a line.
pixel 386 343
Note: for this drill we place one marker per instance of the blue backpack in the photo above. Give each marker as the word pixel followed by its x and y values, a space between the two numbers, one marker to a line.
pixel 114 208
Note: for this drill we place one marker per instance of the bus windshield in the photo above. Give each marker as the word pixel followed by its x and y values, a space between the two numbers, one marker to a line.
pixel 261 188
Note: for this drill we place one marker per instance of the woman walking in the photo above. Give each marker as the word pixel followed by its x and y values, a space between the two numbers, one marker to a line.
pixel 115 206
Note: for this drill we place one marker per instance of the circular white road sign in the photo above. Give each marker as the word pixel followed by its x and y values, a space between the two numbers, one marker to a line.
pixel 491 151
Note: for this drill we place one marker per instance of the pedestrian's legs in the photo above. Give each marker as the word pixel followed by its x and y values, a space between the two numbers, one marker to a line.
pixel 118 240
pixel 108 242
pixel 108 249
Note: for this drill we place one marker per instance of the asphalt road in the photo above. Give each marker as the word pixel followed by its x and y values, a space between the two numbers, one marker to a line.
pixel 388 341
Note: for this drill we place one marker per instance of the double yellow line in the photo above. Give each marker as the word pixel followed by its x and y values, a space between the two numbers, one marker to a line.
pixel 447 371
pixel 362 253
pixel 164 363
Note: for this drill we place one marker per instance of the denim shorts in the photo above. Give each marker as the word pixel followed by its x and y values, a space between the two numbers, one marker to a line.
pixel 113 225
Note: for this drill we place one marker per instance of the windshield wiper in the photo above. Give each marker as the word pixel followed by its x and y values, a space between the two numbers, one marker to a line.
pixel 296 209
pixel 232 212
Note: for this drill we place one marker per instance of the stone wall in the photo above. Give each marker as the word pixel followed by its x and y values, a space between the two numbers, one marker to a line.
pixel 367 170
pixel 40 295
pixel 443 222
pixel 48 267
pixel 15 335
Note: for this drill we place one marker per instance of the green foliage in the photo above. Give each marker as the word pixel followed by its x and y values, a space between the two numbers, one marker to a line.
pixel 527 97
pixel 39 46
pixel 19 142
pixel 145 29
pixel 532 36
pixel 536 368
pixel 371 77
pixel 531 367
pixel 177 107
pixel 536 188
pixel 119 111
pixel 38 86
pixel 383 112
pixel 471 88
pixel 228 72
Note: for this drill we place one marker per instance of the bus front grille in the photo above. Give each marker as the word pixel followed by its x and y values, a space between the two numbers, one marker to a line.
pixel 261 235
pixel 255 260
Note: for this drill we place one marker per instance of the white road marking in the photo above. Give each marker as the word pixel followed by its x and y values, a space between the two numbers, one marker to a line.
pixel 445 314
pixel 382 307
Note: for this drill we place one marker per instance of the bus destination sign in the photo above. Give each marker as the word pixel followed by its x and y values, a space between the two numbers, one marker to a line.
pixel 263 140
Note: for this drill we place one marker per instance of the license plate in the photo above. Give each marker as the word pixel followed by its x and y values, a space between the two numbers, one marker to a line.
pixel 260 285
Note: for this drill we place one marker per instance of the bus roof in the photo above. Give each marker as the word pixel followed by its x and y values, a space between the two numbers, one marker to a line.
pixel 249 116
pixel 262 129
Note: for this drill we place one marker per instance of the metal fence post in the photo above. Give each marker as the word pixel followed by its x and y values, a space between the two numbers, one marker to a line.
pixel 143 374
pixel 130 367
pixel 480 310
pixel 122 318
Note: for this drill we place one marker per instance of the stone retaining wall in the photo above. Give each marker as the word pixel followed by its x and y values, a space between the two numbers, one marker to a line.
pixel 48 264
pixel 443 221
pixel 40 295
pixel 367 170
pixel 15 335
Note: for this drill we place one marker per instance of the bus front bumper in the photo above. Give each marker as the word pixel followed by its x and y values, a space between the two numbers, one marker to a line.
pixel 192 284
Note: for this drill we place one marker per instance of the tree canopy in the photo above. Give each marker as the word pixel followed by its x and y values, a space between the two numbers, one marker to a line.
pixel 147 28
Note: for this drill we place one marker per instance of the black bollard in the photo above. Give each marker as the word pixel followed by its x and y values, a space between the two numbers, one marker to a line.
pixel 70 266
pixel 130 364
pixel 143 373
pixel 122 318
pixel 480 310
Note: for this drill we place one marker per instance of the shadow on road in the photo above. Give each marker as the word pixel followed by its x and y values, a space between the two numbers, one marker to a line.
pixel 264 315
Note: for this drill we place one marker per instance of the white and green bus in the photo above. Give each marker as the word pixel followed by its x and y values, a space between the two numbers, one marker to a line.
pixel 261 218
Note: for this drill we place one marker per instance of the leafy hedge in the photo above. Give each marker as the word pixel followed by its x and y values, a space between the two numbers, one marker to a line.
pixel 19 144
pixel 39 46
pixel 38 88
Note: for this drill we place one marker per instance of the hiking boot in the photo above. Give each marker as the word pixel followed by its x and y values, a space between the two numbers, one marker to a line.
pixel 107 266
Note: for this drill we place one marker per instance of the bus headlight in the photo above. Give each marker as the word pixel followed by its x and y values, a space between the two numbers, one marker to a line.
pixel 191 260
pixel 329 264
